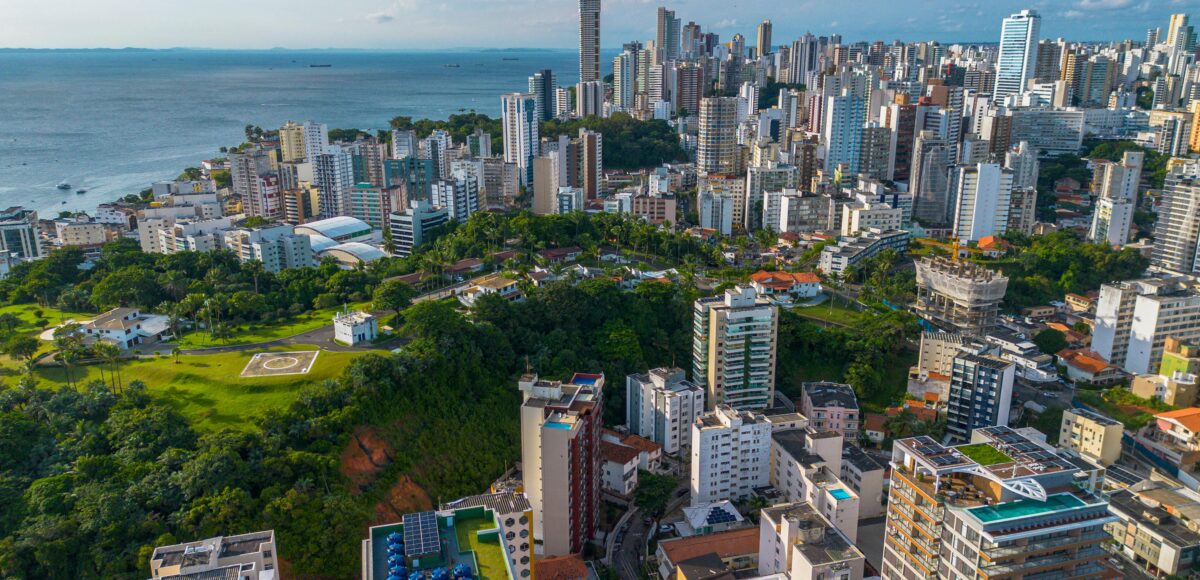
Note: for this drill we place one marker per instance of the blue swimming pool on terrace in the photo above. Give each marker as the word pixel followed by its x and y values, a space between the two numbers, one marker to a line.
pixel 1025 508
pixel 839 493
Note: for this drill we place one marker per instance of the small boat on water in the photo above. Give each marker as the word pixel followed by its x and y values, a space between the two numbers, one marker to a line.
pixel 452 66
pixel 510 58
pixel 80 191
pixel 319 65
pixel 64 186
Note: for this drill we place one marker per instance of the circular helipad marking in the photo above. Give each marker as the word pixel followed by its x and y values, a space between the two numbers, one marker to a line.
pixel 281 363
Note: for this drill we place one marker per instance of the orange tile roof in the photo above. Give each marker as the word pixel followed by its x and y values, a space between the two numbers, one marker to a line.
pixel 1084 360
pixel 931 397
pixel 641 443
pixel 992 243
pixel 1189 418
pixel 939 376
pixel 618 453
pixel 560 568
pixel 784 280
pixel 724 544
pixel 874 422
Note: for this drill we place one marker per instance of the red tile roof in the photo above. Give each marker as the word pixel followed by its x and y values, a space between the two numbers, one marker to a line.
pixel 1084 360
pixel 618 453
pixel 874 422
pixel 729 544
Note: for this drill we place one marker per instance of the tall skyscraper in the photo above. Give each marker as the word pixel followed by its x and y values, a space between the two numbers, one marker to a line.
pixel 589 40
pixel 625 80
pixel 541 86
pixel 1177 232
pixel 519 115
pixel 334 174
pixel 255 182
pixel 983 193
pixel 591 163
pixel 764 38
pixel 1018 53
pixel 666 37
pixel 803 59
pixel 733 348
pixel 843 129
pixel 316 140
pixel 561 460
pixel 717 147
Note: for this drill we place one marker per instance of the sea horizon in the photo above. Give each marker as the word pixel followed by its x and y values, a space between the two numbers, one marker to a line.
pixel 114 121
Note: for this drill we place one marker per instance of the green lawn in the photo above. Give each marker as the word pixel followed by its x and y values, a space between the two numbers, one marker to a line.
pixel 489 555
pixel 984 454
pixel 833 311
pixel 207 389
pixel 263 332
pixel 53 316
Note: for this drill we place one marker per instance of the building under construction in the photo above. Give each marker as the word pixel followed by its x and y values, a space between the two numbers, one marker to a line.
pixel 959 296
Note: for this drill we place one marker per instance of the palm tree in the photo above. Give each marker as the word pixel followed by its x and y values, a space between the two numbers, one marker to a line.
pixel 256 270
pixel 175 352
pixel 109 353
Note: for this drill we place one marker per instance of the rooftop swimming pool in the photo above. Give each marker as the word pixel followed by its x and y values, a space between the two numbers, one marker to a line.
pixel 1025 508
pixel 839 493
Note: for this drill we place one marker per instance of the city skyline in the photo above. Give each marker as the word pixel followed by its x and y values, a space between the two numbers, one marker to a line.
pixel 424 24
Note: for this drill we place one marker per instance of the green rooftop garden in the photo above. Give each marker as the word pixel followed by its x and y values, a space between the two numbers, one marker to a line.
pixel 984 454
pixel 489 553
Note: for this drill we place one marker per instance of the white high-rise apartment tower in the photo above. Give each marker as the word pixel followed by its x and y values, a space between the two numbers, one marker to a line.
pixel 1177 232
pixel 519 117
pixel 589 40
pixel 983 193
pixel 1018 53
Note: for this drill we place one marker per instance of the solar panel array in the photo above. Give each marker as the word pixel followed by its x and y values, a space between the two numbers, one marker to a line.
pixel 421 534
pixel 935 453
pixel 719 516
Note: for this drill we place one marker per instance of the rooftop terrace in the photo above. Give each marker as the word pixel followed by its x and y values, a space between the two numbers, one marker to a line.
pixel 467 536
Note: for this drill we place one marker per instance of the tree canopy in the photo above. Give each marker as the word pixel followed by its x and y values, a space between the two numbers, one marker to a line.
pixel 628 142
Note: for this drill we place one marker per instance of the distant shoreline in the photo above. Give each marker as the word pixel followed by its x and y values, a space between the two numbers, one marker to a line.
pixel 292 50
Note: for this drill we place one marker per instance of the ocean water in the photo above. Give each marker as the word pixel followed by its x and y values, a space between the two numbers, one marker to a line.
pixel 115 121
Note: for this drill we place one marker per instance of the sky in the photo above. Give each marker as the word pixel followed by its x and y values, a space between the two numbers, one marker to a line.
pixel 434 24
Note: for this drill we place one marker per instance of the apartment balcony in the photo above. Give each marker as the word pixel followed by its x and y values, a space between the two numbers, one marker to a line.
pixel 1048 561
pixel 1050 543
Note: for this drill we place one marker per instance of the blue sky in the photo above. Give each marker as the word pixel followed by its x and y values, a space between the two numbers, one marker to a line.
pixel 539 23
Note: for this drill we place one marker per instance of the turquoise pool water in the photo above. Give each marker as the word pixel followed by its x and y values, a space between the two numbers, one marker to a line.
pixel 839 493
pixel 1025 507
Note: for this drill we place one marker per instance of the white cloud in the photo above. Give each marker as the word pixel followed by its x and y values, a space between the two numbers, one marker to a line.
pixel 1073 14
pixel 1104 4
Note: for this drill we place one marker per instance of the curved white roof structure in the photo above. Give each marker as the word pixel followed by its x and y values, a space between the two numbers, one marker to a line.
pixel 320 243
pixel 353 253
pixel 340 228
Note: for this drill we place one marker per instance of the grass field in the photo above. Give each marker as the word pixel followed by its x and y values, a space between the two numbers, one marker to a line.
pixel 207 388
pixel 53 316
pixel 263 332
pixel 835 313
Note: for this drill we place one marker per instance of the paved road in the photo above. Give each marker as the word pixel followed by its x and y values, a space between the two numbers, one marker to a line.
pixel 628 558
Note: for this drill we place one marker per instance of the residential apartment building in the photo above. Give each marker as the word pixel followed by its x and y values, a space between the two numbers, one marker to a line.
pixel 859 217
pixel 805 465
pixel 980 394
pixel 520 126
pixel 1091 434
pixel 1174 437
pixel 242 557
pixel 734 344
pixel 276 246
pixel 1177 231
pixel 717 146
pixel 1156 527
pixel 1004 504
pixel 19 234
pixel 864 474
pixel 797 541
pixel 850 251
pixel 983 193
pixel 413 226
pixel 560 459
pixel 832 407
pixel 1134 319
pixel 731 455
pixel 661 405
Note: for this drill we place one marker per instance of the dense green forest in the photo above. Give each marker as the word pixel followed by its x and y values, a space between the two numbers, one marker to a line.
pixel 459 126
pixel 1045 268
pixel 1154 169
pixel 628 142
